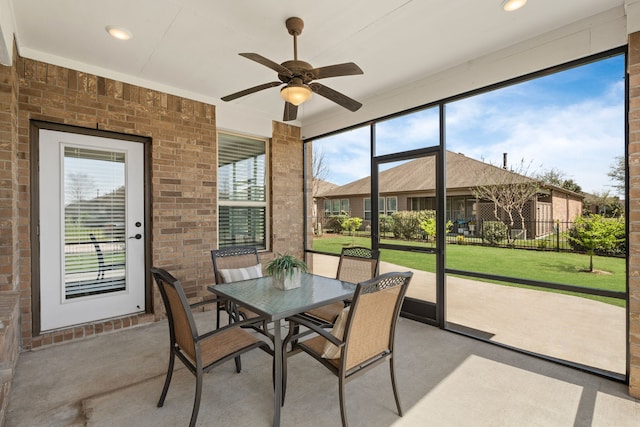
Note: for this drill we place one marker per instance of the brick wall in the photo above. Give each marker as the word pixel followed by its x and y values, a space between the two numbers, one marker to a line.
pixel 9 238
pixel 183 176
pixel 634 213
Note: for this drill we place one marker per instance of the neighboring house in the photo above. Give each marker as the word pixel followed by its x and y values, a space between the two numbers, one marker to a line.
pixel 411 186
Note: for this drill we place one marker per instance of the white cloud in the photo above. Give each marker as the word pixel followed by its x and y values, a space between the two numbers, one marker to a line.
pixel 580 139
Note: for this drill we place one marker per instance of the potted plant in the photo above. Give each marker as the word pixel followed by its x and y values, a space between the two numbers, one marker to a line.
pixel 286 270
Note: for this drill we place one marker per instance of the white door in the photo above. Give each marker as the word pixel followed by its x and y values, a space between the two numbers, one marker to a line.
pixel 91 228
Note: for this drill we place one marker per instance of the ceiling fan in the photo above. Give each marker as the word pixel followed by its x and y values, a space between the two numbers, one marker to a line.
pixel 299 78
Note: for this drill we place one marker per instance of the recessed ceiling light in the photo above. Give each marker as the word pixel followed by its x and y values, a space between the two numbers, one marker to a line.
pixel 119 33
pixel 511 5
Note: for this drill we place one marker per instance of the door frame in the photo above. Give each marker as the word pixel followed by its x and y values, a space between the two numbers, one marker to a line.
pixel 422 311
pixel 34 139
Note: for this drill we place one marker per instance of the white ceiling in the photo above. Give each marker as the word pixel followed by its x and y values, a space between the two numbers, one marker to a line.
pixel 190 47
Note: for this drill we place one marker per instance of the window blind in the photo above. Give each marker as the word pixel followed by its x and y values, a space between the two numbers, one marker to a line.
pixel 241 191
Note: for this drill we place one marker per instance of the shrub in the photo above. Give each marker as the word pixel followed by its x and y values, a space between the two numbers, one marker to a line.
pixel 334 223
pixel 428 223
pixel 598 235
pixel 494 232
pixel 406 224
pixel 351 224
pixel 542 244
pixel 386 223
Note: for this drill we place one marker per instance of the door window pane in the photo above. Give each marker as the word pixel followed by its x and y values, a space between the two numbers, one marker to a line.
pixel 94 221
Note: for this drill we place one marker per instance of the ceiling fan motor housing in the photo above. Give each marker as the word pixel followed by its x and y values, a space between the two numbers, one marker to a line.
pixel 300 69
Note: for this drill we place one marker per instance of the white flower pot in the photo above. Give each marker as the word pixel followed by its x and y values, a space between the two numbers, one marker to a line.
pixel 287 280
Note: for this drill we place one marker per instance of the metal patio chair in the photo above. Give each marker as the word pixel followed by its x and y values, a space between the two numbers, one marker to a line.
pixel 356 265
pixel 369 326
pixel 199 353
pixel 235 262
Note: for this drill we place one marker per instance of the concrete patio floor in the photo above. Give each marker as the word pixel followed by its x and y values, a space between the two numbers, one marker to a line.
pixel 444 379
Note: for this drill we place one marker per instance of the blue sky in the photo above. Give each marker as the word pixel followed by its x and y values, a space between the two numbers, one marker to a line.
pixel 572 121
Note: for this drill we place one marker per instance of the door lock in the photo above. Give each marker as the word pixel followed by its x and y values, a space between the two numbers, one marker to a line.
pixel 137 236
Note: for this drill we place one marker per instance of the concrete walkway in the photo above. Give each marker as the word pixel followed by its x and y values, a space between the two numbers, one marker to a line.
pixel 566 327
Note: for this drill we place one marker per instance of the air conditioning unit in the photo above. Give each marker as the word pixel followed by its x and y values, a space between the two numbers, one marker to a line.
pixel 518 233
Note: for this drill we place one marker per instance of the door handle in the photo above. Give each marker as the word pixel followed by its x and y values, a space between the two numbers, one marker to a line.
pixel 137 236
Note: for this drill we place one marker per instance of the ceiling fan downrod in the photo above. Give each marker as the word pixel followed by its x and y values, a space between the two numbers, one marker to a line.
pixel 295 26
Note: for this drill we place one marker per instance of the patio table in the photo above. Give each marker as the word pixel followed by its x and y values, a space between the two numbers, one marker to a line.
pixel 263 298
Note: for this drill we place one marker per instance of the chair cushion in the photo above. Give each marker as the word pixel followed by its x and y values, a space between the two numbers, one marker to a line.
pixel 331 351
pixel 237 274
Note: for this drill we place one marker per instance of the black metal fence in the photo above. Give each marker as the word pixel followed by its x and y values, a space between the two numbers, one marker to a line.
pixel 540 235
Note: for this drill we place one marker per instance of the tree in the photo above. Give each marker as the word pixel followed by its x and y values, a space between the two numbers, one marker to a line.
pixel 617 172
pixel 571 185
pixel 509 191
pixel 319 174
pixel 351 224
pixel 558 178
pixel 602 203
pixel 552 176
pixel 596 233
pixel 79 186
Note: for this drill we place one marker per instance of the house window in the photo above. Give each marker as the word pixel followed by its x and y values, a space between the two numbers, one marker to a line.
pixel 344 203
pixel 336 207
pixel 242 203
pixel 392 205
pixel 421 203
pixel 386 206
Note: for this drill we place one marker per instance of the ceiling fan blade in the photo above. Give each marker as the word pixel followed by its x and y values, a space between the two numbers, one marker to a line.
pixel 250 91
pixel 335 96
pixel 290 112
pixel 346 69
pixel 268 63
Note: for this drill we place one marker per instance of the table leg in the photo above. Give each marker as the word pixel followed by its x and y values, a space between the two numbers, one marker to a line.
pixel 277 361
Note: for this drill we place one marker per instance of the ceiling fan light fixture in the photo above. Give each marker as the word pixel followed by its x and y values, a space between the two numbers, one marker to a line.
pixel 296 94
pixel 511 5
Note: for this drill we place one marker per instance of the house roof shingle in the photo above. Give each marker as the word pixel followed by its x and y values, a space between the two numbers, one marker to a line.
pixel 419 175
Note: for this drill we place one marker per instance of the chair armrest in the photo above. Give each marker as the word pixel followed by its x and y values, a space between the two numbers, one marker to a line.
pixel 246 322
pixel 317 329
pixel 205 302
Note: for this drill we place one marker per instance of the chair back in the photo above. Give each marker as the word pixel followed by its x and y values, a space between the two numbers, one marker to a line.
pixel 182 327
pixel 233 257
pixel 357 264
pixel 370 328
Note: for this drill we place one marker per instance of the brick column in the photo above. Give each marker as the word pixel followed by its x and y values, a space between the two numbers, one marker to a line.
pixel 286 190
pixel 634 213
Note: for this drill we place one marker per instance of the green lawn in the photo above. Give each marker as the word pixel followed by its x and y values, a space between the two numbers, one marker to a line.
pixel 556 267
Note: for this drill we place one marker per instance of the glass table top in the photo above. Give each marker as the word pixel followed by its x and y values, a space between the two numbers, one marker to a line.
pixel 262 297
